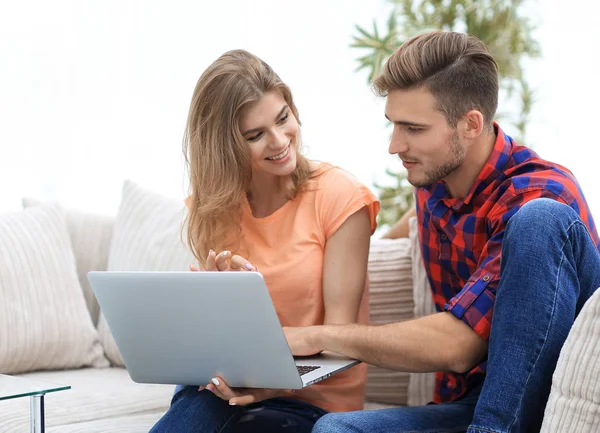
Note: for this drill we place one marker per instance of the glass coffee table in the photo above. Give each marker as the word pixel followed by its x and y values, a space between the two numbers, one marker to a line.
pixel 15 387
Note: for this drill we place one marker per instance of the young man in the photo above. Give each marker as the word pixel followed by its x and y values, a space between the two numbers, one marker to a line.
pixel 508 242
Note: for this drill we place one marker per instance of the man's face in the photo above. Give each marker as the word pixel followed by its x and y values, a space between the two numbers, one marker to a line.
pixel 429 148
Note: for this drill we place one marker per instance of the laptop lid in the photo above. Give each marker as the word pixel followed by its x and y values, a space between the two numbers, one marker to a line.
pixel 188 327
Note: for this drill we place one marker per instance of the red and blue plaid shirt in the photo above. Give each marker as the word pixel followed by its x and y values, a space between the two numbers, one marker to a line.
pixel 461 239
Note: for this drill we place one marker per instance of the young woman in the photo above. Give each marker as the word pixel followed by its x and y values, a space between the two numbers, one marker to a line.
pixel 259 203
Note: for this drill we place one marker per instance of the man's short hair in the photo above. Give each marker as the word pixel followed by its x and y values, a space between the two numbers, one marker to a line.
pixel 455 67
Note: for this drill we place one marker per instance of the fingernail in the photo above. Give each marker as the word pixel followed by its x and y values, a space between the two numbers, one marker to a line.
pixel 215 381
pixel 200 388
pixel 232 404
pixel 210 251
pixel 226 253
pixel 248 266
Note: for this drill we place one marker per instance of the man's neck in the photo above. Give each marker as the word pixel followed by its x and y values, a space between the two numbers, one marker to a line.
pixel 460 181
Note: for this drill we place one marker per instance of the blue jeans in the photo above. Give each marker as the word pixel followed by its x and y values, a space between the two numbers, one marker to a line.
pixel 550 268
pixel 202 411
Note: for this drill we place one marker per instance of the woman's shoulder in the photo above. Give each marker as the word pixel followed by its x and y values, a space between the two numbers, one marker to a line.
pixel 325 173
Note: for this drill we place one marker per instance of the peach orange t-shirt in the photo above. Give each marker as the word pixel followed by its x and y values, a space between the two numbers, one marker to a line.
pixel 288 248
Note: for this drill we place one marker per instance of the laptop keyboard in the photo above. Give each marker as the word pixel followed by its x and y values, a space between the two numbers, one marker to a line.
pixel 303 369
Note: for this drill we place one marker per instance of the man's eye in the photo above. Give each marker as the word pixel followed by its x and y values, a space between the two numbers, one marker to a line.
pixel 413 130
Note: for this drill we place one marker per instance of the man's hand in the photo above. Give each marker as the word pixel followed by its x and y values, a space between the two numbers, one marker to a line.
pixel 241 396
pixel 302 340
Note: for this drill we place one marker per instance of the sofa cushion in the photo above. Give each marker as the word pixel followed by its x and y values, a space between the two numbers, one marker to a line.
pixel 100 400
pixel 390 300
pixel 90 238
pixel 574 402
pixel 146 237
pixel 44 322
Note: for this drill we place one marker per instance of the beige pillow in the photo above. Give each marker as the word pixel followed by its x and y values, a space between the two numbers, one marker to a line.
pixel 90 238
pixel 390 300
pixel 146 237
pixel 574 402
pixel 44 322
pixel 421 385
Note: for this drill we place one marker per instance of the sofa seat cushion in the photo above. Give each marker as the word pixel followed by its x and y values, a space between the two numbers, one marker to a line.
pixel 100 400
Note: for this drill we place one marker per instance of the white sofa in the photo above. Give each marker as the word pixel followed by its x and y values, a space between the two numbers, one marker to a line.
pixel 53 331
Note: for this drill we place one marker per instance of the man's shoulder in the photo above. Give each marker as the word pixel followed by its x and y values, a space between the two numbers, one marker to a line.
pixel 529 172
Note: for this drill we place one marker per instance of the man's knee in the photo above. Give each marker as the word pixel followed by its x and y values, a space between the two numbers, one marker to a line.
pixel 331 423
pixel 542 215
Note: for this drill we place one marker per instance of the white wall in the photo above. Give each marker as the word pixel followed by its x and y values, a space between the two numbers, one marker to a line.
pixel 93 92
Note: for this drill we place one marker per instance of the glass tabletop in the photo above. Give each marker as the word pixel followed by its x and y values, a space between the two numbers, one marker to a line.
pixel 14 387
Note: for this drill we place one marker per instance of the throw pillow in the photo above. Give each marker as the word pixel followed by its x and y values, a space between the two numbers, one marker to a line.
pixel 390 300
pixel 146 237
pixel 574 402
pixel 90 238
pixel 44 322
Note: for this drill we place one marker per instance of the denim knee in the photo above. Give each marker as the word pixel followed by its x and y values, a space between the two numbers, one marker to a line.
pixel 539 220
pixel 542 213
pixel 331 423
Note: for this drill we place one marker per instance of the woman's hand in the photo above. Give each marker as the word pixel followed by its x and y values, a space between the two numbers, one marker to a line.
pixel 240 396
pixel 224 261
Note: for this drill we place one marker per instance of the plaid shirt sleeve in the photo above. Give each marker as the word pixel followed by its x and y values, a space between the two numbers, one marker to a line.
pixel 474 304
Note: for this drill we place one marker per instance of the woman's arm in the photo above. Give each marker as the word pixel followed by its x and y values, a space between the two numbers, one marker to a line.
pixel 345 269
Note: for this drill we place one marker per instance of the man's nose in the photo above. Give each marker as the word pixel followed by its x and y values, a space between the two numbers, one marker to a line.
pixel 398 144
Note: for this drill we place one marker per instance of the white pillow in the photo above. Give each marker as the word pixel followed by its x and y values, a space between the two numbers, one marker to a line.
pixel 90 238
pixel 574 402
pixel 146 237
pixel 44 322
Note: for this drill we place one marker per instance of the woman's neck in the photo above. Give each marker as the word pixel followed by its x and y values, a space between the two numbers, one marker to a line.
pixel 267 194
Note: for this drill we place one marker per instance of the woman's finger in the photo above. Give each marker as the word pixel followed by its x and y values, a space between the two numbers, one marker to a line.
pixel 222 260
pixel 211 264
pixel 220 389
pixel 241 264
pixel 194 268
pixel 254 395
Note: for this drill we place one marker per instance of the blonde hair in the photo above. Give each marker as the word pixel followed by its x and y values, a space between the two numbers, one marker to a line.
pixel 218 156
pixel 455 67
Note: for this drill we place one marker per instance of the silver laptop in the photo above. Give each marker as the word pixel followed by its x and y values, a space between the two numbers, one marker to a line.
pixel 188 327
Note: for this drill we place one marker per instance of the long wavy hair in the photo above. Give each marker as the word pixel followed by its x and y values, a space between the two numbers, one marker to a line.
pixel 218 157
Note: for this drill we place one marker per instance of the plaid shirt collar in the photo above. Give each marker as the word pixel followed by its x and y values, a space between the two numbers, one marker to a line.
pixel 490 172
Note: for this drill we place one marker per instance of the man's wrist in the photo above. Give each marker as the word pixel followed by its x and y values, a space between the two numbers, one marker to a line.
pixel 316 337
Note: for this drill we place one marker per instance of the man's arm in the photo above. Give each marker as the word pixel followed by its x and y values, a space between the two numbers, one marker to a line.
pixel 439 342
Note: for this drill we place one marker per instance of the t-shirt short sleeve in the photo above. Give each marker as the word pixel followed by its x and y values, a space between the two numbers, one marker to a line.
pixel 340 195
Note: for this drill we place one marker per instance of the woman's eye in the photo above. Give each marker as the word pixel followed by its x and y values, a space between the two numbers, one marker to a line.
pixel 254 137
pixel 284 118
